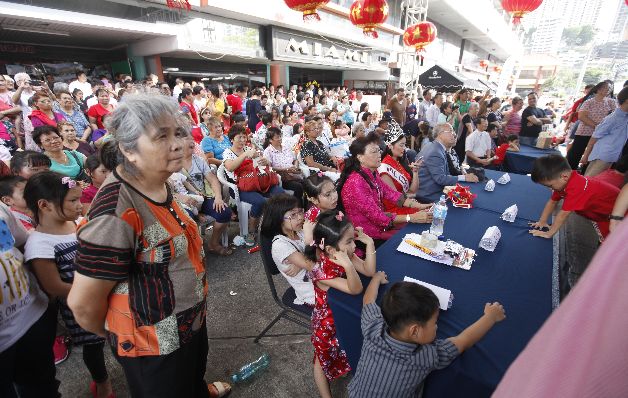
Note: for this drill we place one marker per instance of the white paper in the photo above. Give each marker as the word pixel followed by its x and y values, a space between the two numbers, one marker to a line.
pixel 443 295
pixel 490 186
pixel 505 179
pixel 490 239
pixel 413 251
pixel 510 214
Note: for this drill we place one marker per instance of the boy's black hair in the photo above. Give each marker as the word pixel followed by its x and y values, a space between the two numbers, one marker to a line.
pixel 407 302
pixel 313 185
pixel 239 117
pixel 338 123
pixel 274 210
pixel 109 155
pixel 512 138
pixel 329 229
pixel 547 168
pixel 490 127
pixel 28 158
pixel 622 96
pixel 92 162
pixel 8 184
pixel 45 185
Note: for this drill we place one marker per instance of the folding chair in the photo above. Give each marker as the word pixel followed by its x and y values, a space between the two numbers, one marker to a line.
pixel 299 314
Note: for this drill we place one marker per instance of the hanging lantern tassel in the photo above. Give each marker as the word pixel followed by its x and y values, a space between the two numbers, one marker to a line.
pixel 368 15
pixel 307 7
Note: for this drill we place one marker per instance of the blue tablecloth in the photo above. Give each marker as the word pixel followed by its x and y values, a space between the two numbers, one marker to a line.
pixel 529 197
pixel 519 274
pixel 521 162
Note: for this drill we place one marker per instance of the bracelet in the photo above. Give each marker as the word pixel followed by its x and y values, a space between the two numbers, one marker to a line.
pixel 373 252
pixel 614 217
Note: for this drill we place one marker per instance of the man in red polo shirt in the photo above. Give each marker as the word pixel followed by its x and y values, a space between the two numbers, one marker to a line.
pixel 588 197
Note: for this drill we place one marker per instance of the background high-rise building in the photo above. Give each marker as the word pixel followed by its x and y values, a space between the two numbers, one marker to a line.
pixel 619 31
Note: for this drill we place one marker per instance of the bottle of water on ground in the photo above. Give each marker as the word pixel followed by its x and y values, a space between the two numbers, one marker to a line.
pixel 250 369
pixel 440 213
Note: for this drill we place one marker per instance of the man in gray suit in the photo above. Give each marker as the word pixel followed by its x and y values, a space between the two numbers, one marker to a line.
pixel 434 175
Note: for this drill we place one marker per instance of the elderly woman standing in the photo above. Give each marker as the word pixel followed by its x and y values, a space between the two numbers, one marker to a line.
pixel 20 97
pixel 140 277
pixel 362 193
pixel 97 112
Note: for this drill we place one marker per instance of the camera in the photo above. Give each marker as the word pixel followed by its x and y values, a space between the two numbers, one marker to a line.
pixel 455 106
pixel 36 83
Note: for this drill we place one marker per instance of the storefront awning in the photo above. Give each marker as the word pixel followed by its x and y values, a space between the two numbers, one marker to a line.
pixel 446 80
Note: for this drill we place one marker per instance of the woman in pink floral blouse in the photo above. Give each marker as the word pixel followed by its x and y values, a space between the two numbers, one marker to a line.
pixel 362 192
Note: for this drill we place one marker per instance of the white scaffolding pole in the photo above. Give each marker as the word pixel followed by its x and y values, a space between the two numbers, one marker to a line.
pixel 415 11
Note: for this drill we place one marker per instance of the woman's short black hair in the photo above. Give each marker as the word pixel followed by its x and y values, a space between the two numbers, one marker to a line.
pixel 550 167
pixel 100 90
pixel 363 106
pixel 45 185
pixel 365 116
pixel 407 302
pixel 28 158
pixel 493 101
pixel 444 106
pixel 275 209
pixel 329 229
pixel 43 130
pixel 234 131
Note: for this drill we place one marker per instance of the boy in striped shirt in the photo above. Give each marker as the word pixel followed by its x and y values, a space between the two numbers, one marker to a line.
pixel 399 348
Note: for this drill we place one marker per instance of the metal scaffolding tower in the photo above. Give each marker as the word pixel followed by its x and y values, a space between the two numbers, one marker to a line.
pixel 415 11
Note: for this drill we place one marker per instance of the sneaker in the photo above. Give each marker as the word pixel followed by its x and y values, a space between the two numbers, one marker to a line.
pixel 249 240
pixel 60 349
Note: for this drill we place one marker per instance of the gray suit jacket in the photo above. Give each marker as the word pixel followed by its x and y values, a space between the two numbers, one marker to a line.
pixel 434 175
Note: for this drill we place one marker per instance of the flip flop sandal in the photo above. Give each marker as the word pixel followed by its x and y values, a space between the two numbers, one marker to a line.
pixel 220 389
pixel 223 251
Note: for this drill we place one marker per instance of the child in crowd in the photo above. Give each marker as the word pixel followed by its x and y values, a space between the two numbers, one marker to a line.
pixel 28 163
pixel 399 348
pixel 12 195
pixel 50 250
pixel 182 188
pixel 97 173
pixel 27 324
pixel 321 192
pixel 283 223
pixel 286 128
pixel 588 197
pixel 337 266
pixel 512 144
pixel 341 130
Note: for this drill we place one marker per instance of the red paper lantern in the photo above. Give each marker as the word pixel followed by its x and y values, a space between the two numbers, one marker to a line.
pixel 498 69
pixel 368 14
pixel 307 7
pixel 519 8
pixel 419 35
pixel 483 63
pixel 181 4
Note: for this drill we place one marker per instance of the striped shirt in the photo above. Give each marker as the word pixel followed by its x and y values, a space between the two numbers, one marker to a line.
pixel 393 368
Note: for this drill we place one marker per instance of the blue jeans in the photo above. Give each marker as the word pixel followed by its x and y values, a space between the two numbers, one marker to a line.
pixel 258 199
pixel 529 141
pixel 220 217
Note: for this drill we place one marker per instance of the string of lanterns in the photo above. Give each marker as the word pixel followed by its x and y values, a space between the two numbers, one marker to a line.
pixel 519 8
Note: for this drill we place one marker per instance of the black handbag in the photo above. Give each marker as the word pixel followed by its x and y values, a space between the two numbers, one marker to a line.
pixel 82 175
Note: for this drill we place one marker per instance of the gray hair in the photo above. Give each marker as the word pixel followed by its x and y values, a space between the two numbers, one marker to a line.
pixel 441 128
pixel 134 116
pixel 356 126
pixel 60 86
pixel 21 77
pixel 474 105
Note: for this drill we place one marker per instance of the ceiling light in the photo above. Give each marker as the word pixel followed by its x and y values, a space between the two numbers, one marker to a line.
pixel 172 69
pixel 35 30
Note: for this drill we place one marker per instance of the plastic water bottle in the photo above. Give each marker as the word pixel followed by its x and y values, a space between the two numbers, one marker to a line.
pixel 250 369
pixel 440 213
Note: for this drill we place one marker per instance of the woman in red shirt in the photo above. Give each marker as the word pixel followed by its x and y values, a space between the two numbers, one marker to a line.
pixel 101 109
pixel 186 103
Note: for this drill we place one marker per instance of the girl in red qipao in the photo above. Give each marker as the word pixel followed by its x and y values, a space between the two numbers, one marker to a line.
pixel 397 173
pixel 336 266
pixel 321 192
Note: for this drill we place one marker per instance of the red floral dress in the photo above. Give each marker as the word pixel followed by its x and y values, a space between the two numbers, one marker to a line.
pixel 332 358
pixel 312 214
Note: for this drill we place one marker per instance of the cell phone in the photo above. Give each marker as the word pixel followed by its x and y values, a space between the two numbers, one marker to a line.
pixel 454 107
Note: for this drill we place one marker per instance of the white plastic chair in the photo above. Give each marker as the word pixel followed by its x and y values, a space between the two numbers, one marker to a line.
pixel 243 208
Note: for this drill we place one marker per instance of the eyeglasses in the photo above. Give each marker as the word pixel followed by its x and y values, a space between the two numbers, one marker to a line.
pixel 52 139
pixel 295 215
pixel 374 151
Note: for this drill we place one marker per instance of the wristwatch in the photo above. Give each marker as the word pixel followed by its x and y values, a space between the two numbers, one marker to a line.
pixel 407 217
pixel 614 217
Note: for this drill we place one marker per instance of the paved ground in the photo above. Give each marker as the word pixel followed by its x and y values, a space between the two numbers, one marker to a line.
pixel 233 321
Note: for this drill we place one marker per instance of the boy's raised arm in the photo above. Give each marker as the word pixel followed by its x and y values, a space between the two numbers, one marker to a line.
pixel 493 313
